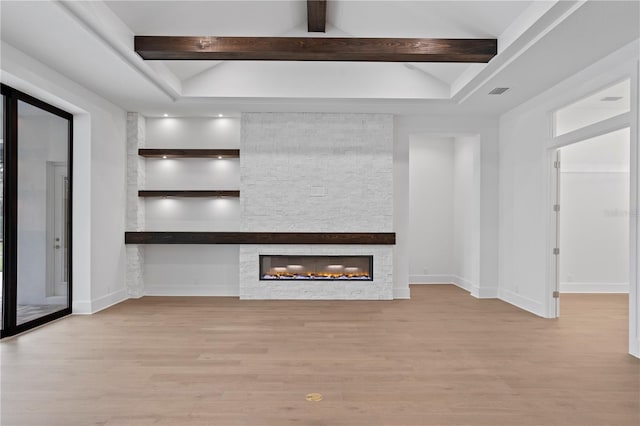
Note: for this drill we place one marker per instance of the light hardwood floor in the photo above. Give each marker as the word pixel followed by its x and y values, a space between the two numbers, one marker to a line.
pixel 441 358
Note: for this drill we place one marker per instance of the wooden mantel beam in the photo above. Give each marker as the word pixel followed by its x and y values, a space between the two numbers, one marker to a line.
pixel 316 49
pixel 316 15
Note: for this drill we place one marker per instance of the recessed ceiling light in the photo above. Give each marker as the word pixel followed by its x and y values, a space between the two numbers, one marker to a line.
pixel 164 156
pixel 220 115
pixel 165 115
pixel 611 98
pixel 219 157
pixel 498 90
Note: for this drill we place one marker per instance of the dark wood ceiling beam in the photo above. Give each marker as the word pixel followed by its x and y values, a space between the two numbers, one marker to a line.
pixel 316 49
pixel 316 15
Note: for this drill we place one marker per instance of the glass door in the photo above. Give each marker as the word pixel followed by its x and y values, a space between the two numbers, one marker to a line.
pixel 37 228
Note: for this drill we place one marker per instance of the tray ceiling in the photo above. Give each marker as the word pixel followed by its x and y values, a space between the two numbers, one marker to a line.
pixel 539 43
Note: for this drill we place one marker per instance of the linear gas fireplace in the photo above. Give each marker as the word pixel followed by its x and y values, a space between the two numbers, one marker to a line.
pixel 329 268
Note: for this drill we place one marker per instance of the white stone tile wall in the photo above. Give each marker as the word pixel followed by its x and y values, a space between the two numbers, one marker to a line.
pixel 316 172
pixel 136 128
pixel 136 172
pixel 135 270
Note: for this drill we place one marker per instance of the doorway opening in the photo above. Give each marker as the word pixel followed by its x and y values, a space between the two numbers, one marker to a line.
pixel 593 203
pixel 444 210
pixel 594 224
pixel 593 232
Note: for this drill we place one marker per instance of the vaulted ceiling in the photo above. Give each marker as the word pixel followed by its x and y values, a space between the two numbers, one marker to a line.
pixel 539 43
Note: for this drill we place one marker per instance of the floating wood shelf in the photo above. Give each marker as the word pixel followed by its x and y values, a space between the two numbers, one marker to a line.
pixel 357 238
pixel 189 153
pixel 189 194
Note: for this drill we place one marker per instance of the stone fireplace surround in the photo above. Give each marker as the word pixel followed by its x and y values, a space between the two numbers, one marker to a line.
pixel 316 172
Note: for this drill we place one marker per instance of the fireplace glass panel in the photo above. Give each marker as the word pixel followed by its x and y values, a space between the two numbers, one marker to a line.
pixel 327 268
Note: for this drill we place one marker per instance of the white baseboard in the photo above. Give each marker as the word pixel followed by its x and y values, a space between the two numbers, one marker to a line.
pixel 634 348
pixel 462 282
pixel 484 292
pixel 87 307
pixel 577 287
pixel 522 302
pixel 186 290
pixel 81 307
pixel 430 279
pixel 401 293
pixel 442 279
pixel 108 300
pixel 478 292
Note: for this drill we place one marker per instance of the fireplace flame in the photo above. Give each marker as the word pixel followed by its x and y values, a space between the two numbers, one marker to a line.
pixel 279 275
pixel 301 267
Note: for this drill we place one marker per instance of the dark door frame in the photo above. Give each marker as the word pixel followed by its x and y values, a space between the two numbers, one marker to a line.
pixel 11 97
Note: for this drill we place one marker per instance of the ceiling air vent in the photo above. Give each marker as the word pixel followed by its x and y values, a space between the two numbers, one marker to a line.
pixel 498 90
pixel 611 98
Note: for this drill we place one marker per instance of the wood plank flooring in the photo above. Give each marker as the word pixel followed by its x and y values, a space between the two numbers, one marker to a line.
pixel 441 358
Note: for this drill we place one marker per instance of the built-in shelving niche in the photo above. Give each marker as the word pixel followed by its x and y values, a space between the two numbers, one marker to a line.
pixel 166 153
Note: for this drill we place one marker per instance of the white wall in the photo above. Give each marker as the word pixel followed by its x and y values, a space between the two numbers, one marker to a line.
pixel 200 173
pixel 192 270
pixel 466 187
pixel 594 220
pixel 192 214
pixel 193 132
pixel 431 160
pixel 98 178
pixel 108 207
pixel 526 152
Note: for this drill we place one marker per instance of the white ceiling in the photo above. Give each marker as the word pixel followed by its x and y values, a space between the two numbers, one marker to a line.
pixel 225 18
pixel 444 19
pixel 92 43
pixel 357 18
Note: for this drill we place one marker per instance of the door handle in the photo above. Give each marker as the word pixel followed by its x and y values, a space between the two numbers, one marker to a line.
pixel 57 246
